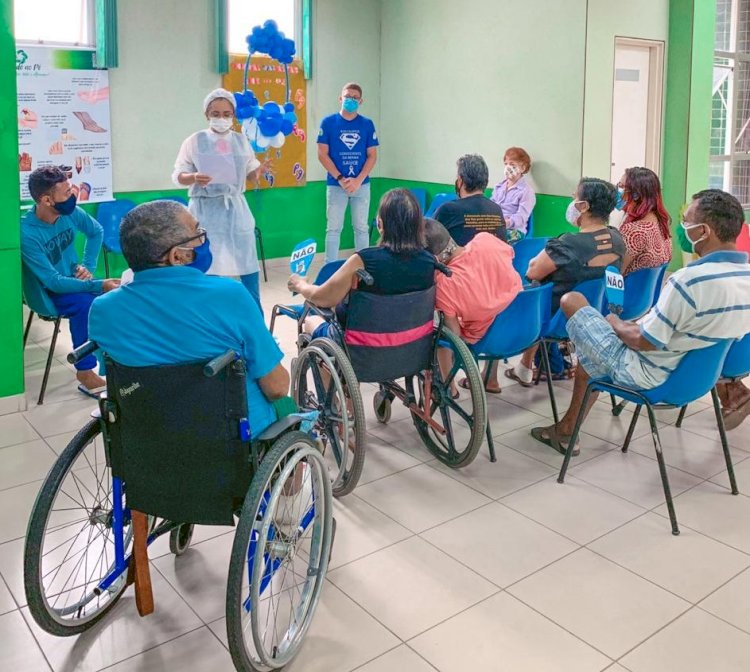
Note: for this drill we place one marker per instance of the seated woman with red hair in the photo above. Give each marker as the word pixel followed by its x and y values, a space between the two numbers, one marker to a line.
pixel 514 194
pixel 645 228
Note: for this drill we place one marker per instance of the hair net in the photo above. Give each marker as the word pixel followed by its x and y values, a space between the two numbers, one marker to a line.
pixel 217 94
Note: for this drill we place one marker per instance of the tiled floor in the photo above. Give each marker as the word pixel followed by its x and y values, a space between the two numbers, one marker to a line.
pixel 495 567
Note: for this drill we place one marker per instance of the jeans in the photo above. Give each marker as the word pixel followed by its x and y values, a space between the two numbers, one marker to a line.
pixel 336 201
pixel 251 281
pixel 75 307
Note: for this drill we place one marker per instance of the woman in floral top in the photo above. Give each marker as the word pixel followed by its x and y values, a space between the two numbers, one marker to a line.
pixel 645 228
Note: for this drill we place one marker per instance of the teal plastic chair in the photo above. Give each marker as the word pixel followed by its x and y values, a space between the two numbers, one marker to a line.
pixel 524 251
pixel 109 214
pixel 695 375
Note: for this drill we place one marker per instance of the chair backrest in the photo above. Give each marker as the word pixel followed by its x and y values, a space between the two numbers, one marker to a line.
pixel 327 270
pixel 437 201
pixel 524 251
pixel 421 196
pixel 737 363
pixel 659 285
pixel 34 294
pixel 389 337
pixel 109 215
pixel 518 327
pixel 530 225
pixel 640 289
pixel 176 440
pixel 593 290
pixel 694 376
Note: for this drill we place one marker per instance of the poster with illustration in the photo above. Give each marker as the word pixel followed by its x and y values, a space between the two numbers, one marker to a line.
pixel 267 80
pixel 63 119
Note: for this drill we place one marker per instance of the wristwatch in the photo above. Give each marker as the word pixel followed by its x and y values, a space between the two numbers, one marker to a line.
pixel 339 177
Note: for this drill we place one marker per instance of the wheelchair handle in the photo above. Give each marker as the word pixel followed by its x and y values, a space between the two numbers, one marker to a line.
pixel 443 269
pixel 218 364
pixel 82 351
pixel 365 277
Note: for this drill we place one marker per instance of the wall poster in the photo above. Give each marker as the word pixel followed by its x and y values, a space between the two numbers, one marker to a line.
pixel 63 119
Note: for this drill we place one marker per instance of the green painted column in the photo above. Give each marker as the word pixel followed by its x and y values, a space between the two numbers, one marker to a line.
pixel 11 336
pixel 687 123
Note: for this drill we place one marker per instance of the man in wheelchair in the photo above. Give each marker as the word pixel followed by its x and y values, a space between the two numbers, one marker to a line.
pixel 172 312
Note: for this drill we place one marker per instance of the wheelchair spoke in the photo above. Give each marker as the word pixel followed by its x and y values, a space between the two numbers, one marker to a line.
pixel 461 411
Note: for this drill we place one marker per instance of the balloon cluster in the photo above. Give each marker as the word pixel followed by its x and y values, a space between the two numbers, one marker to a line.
pixel 267 125
pixel 268 39
pixel 264 125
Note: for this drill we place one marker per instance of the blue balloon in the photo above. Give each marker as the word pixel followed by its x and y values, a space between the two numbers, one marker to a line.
pixel 287 127
pixel 288 107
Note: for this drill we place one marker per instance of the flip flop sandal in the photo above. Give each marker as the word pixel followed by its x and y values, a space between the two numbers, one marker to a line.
pixel 511 373
pixel 94 393
pixel 553 440
pixel 464 382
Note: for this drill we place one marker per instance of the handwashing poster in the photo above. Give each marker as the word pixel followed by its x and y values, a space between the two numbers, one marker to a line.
pixel 63 119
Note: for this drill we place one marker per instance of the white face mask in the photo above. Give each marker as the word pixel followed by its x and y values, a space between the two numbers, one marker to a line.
pixel 572 214
pixel 220 124
pixel 511 171
pixel 692 242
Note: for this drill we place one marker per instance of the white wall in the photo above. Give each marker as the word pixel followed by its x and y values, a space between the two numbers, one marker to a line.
pixel 643 19
pixel 166 69
pixel 479 76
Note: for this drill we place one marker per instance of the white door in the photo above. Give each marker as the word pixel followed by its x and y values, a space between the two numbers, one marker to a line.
pixel 630 111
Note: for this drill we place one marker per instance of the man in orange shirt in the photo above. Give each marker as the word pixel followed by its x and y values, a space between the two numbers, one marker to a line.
pixel 482 284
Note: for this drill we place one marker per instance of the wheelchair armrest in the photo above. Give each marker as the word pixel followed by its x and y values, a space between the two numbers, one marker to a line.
pixel 81 351
pixel 279 427
pixel 328 314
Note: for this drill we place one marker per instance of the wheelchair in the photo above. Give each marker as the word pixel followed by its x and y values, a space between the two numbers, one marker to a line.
pixel 386 339
pixel 168 448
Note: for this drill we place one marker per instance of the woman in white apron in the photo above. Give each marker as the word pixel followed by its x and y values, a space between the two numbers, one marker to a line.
pixel 214 164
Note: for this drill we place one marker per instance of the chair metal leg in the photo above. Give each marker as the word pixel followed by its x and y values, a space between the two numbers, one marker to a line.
pixel 106 262
pixel 662 470
pixel 631 428
pixel 544 360
pixel 259 236
pixel 681 416
pixel 28 328
pixel 574 435
pixel 49 361
pixel 724 443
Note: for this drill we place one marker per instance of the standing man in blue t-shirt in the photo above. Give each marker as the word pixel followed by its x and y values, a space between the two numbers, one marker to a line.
pixel 347 148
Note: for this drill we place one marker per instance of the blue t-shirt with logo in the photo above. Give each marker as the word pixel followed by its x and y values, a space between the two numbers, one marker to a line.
pixel 348 141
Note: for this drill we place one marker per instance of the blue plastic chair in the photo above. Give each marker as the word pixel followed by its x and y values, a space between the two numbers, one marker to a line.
pixel 39 302
pixel 109 215
pixel 556 329
pixel 295 311
pixel 514 330
pixel 524 251
pixel 437 201
pixel 421 196
pixel 695 375
pixel 530 226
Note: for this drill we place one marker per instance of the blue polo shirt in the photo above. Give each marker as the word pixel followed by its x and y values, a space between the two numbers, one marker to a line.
pixel 176 314
pixel 348 141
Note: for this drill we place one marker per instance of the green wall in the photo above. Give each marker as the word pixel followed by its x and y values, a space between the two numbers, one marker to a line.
pixel 11 355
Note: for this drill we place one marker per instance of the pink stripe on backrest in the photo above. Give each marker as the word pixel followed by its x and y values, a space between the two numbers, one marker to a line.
pixel 384 340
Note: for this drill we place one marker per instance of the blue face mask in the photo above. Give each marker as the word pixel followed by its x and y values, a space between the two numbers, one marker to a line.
pixel 67 206
pixel 203 257
pixel 620 199
pixel 350 105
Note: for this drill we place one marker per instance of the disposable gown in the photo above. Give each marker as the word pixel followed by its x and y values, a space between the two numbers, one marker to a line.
pixel 221 209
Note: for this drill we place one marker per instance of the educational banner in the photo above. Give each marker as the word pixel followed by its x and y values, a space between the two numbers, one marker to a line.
pixel 63 119
pixel 266 79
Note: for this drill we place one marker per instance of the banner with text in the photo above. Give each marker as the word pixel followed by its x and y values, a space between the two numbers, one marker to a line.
pixel 63 119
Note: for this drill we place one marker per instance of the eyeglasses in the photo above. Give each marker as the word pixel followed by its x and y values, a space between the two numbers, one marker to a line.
pixel 200 235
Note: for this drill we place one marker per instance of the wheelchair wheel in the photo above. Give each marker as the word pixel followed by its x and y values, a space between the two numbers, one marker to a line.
pixel 324 381
pixel 457 427
pixel 70 545
pixel 280 555
pixel 180 538
pixel 381 404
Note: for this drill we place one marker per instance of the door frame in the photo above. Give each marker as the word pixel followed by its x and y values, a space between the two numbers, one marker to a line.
pixel 656 91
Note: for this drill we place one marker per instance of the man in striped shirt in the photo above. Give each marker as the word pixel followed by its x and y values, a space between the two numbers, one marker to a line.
pixel 705 302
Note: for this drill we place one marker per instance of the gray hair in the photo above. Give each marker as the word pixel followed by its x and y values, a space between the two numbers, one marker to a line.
pixel 472 169
pixel 149 230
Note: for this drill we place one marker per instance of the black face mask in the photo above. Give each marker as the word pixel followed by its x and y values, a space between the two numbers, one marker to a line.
pixel 67 206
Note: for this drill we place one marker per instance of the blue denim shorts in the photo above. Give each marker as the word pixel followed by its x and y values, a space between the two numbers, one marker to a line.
pixel 600 351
